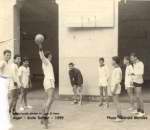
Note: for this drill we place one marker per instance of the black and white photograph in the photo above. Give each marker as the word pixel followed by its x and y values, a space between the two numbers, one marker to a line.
pixel 74 64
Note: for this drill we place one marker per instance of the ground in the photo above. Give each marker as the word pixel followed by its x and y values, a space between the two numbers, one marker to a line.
pixel 88 116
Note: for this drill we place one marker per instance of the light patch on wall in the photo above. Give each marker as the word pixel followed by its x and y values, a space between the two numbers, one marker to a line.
pixel 4 118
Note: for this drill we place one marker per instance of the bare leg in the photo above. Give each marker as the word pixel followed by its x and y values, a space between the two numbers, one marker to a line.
pixel 106 96
pixel 11 101
pixel 131 97
pixel 139 97
pixel 75 94
pixel 22 97
pixel 50 99
pixel 15 101
pixel 25 97
pixel 117 105
pixel 101 96
pixel 80 94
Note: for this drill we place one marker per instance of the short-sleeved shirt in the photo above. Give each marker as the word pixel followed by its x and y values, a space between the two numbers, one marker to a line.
pixel 24 74
pixel 75 77
pixel 116 76
pixel 138 69
pixel 129 75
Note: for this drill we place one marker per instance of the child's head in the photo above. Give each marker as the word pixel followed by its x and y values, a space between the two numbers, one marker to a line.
pixel 17 59
pixel 115 61
pixel 48 55
pixel 133 57
pixel 71 65
pixel 25 62
pixel 7 55
pixel 101 61
pixel 126 60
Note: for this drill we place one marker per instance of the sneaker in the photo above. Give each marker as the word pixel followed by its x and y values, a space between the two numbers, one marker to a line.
pixel 21 108
pixel 74 102
pixel 131 109
pixel 29 107
pixel 140 114
pixel 118 119
pixel 134 112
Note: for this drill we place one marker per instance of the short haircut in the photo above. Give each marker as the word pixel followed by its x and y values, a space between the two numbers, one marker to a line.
pixel 6 51
pixel 116 59
pixel 16 56
pixel 47 53
pixel 25 59
pixel 71 63
pixel 101 59
pixel 134 55
pixel 127 58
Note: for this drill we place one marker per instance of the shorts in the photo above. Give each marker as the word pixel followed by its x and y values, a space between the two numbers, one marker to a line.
pixel 77 85
pixel 137 84
pixel 118 89
pixel 103 83
pixel 48 83
pixel 128 86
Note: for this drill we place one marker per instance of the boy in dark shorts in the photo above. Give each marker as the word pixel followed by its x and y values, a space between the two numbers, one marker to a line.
pixel 76 80
pixel 138 72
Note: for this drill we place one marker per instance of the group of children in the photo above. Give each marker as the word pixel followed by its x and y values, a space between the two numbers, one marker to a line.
pixel 133 83
pixel 17 74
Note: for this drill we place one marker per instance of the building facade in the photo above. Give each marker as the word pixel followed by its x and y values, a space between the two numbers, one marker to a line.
pixel 87 30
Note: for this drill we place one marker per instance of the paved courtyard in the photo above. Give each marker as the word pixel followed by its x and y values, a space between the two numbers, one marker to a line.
pixel 65 116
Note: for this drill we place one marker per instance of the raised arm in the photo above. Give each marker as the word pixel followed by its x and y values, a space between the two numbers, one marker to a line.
pixel 41 53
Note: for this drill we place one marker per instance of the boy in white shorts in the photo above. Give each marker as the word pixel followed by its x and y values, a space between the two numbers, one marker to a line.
pixel 49 81
pixel 103 81
pixel 24 77
pixel 115 84
pixel 129 81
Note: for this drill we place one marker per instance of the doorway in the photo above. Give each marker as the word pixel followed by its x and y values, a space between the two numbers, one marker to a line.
pixel 39 16
pixel 134 31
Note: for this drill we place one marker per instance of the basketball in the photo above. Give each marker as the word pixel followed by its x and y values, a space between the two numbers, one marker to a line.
pixel 39 38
